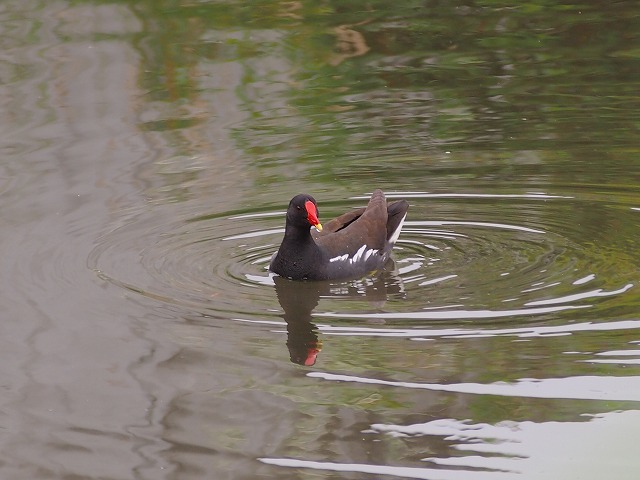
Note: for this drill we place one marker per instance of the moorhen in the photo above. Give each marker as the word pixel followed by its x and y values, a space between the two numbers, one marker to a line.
pixel 350 246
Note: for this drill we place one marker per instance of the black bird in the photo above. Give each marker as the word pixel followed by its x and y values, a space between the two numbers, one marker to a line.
pixel 350 246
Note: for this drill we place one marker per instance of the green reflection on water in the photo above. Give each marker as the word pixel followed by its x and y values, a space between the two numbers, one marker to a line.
pixel 328 83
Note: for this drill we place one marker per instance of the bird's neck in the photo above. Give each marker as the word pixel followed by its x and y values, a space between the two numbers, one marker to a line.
pixel 300 244
pixel 300 235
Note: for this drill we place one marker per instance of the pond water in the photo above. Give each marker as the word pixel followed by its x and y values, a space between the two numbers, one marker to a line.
pixel 149 153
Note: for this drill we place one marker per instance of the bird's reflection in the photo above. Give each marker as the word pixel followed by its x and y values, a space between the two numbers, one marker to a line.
pixel 298 299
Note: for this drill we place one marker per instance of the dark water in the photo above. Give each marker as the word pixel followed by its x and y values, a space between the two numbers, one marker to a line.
pixel 149 150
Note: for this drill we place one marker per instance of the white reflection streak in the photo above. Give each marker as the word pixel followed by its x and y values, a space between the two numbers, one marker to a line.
pixel 532 448
pixel 536 195
pixel 453 314
pixel 466 314
pixel 460 332
pixel 437 280
pixel 258 215
pixel 579 388
pixel 620 353
pixel 586 279
pixel 502 226
pixel 509 450
pixel 258 233
pixel 405 472
pixel 614 361
pixel 261 279
pixel 579 296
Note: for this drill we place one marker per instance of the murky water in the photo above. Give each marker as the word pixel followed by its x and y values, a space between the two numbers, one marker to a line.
pixel 149 151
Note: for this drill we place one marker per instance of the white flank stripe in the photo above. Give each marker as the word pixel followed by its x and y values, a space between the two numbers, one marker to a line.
pixel 361 255
pixel 369 253
pixel 339 258
pixel 358 254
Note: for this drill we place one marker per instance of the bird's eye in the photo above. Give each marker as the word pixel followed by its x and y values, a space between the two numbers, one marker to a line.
pixel 298 207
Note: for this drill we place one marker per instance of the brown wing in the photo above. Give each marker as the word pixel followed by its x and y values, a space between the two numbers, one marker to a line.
pixel 343 221
pixel 349 232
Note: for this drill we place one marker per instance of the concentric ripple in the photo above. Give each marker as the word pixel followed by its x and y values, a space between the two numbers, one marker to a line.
pixel 461 256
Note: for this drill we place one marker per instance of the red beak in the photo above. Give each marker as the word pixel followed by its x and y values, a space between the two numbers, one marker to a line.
pixel 312 215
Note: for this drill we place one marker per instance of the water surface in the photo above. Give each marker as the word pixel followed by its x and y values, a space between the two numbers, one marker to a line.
pixel 149 152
